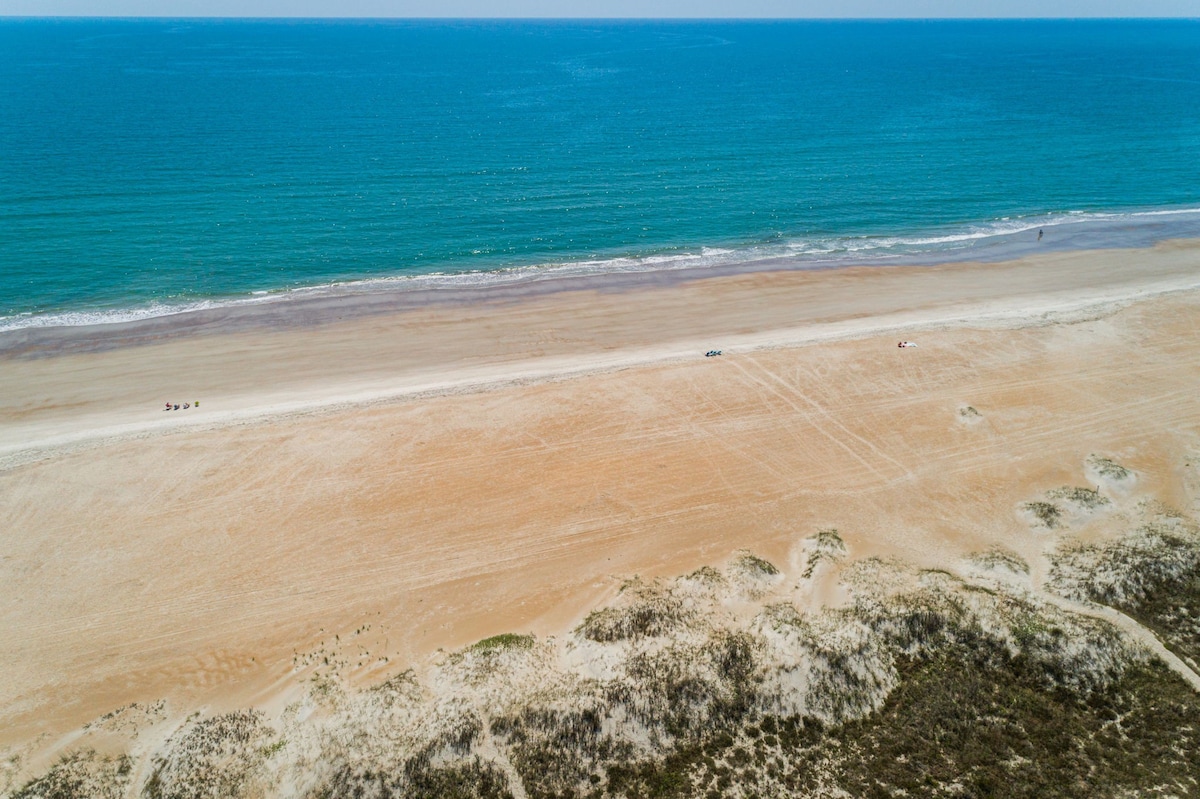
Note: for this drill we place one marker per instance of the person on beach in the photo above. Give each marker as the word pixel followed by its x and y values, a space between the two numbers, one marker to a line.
pixel 1039 235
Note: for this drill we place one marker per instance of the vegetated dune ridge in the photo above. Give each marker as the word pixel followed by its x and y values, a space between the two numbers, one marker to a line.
pixel 238 605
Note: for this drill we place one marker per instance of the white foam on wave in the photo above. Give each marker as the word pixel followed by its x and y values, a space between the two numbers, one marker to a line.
pixel 974 234
pixel 816 250
pixel 118 316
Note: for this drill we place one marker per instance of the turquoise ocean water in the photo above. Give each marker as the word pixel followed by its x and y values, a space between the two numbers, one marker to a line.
pixel 153 165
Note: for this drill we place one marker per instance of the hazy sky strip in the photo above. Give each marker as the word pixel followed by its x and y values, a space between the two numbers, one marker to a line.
pixel 606 8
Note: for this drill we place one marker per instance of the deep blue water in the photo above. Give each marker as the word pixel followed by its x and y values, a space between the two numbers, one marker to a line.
pixel 150 164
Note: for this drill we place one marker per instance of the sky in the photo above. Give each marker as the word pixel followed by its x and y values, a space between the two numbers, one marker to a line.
pixel 604 8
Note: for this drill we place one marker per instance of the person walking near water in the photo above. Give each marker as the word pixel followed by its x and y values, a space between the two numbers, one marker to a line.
pixel 1039 235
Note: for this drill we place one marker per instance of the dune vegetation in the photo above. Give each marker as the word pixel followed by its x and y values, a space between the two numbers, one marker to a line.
pixel 719 684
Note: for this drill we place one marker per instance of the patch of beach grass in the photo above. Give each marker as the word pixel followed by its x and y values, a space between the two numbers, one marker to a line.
pixel 965 716
pixel 503 642
pixel 751 576
pixel 957 725
pixel 1107 469
pixel 471 778
pixel 1045 514
pixel 1061 504
pixel 1151 574
pixel 643 609
pixel 754 564
pixel 1000 559
pixel 826 546
pixel 706 576
pixel 82 774
pixel 557 749
pixel 1082 499
pixel 750 564
pixel 953 726
pixel 221 756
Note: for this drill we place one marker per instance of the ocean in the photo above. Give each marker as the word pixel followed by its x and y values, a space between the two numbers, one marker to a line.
pixel 151 166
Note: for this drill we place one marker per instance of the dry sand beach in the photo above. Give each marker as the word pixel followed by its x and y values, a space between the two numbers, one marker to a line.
pixel 378 487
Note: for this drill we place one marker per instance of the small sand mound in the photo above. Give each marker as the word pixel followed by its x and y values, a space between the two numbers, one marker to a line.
pixel 82 774
pixel 824 547
pixel 751 575
pixel 1000 561
pixel 704 583
pixel 1064 506
pixel 642 610
pixel 969 415
pixel 1107 472
pixel 1080 500
pixel 1043 515
pixel 130 719
pixel 218 756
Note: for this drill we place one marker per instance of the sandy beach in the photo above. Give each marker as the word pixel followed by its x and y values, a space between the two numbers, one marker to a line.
pixel 450 470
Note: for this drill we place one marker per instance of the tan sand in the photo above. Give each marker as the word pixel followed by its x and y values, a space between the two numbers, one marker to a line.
pixel 451 472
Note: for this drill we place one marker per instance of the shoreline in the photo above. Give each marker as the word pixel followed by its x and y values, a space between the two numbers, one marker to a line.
pixel 1008 240
pixel 36 422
